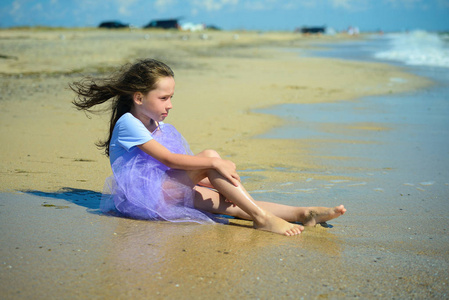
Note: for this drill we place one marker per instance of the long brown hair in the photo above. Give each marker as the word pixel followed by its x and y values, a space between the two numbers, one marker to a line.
pixel 141 76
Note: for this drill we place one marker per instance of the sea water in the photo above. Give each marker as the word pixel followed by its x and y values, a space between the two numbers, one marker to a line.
pixel 408 154
pixel 417 48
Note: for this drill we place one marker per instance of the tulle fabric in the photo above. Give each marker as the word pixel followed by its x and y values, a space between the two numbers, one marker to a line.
pixel 144 188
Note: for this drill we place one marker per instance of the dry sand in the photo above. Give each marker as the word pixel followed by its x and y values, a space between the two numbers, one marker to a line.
pixel 55 245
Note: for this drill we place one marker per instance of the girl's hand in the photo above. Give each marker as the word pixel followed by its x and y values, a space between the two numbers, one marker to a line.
pixel 229 201
pixel 228 170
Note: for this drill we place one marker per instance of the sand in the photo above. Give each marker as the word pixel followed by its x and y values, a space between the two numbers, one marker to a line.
pixel 55 244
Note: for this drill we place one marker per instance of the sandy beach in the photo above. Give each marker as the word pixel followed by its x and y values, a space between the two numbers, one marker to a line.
pixel 55 244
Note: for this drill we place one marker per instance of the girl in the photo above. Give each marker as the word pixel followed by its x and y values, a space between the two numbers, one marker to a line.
pixel 155 176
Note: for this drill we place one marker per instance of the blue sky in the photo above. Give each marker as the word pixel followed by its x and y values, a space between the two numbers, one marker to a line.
pixel 368 15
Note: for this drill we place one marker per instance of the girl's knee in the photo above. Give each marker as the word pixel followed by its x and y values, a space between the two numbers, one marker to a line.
pixel 210 153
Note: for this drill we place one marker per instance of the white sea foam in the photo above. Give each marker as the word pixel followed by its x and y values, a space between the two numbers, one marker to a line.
pixel 358 184
pixel 417 48
pixel 339 180
pixel 262 191
pixel 308 191
pixel 427 183
pixel 328 185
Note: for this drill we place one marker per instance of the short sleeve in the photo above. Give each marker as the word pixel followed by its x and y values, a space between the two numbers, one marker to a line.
pixel 128 132
pixel 131 132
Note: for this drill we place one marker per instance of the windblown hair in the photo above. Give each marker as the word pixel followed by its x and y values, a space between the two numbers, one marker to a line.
pixel 141 76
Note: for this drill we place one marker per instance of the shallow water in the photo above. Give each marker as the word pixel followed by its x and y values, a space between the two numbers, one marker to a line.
pixel 387 160
pixel 390 155
pixel 386 146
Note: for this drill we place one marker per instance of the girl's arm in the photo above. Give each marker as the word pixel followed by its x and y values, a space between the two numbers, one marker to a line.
pixel 188 162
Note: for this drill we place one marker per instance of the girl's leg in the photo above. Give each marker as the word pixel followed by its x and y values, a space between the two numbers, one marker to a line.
pixel 266 216
pixel 211 201
pixel 262 219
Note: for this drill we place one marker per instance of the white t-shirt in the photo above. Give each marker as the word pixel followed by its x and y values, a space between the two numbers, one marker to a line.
pixel 128 132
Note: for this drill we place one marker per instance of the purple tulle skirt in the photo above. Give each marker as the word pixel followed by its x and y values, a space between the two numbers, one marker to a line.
pixel 144 188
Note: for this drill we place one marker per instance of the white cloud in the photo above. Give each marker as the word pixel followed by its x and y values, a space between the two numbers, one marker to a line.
pixel 123 6
pixel 262 5
pixel 255 5
pixel 341 3
pixel 38 7
pixel 86 5
pixel 213 5
pixel 308 3
pixel 16 10
pixel 15 7
pixel 404 3
pixel 418 4
pixel 196 6
pixel 163 5
pixel 352 5
pixel 272 4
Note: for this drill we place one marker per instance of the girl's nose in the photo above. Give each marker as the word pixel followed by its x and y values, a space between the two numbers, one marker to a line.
pixel 169 105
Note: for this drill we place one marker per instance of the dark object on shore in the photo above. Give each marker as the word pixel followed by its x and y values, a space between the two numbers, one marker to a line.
pixel 113 24
pixel 311 30
pixel 4 56
pixel 164 24
pixel 213 27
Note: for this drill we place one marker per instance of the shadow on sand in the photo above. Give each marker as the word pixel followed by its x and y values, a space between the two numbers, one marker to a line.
pixel 91 200
pixel 85 198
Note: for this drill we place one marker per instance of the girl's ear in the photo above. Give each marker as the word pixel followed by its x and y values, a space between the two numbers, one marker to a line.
pixel 137 98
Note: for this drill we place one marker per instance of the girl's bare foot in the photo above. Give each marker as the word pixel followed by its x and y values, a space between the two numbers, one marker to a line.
pixel 277 225
pixel 314 215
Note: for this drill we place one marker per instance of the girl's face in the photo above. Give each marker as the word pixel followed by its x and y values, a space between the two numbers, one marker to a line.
pixel 157 103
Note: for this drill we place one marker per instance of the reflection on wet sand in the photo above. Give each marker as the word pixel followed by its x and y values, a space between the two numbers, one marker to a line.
pixel 170 260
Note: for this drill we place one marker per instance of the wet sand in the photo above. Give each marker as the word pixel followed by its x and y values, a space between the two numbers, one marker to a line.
pixel 56 245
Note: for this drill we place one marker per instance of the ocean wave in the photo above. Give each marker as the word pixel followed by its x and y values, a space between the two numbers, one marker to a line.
pixel 417 48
